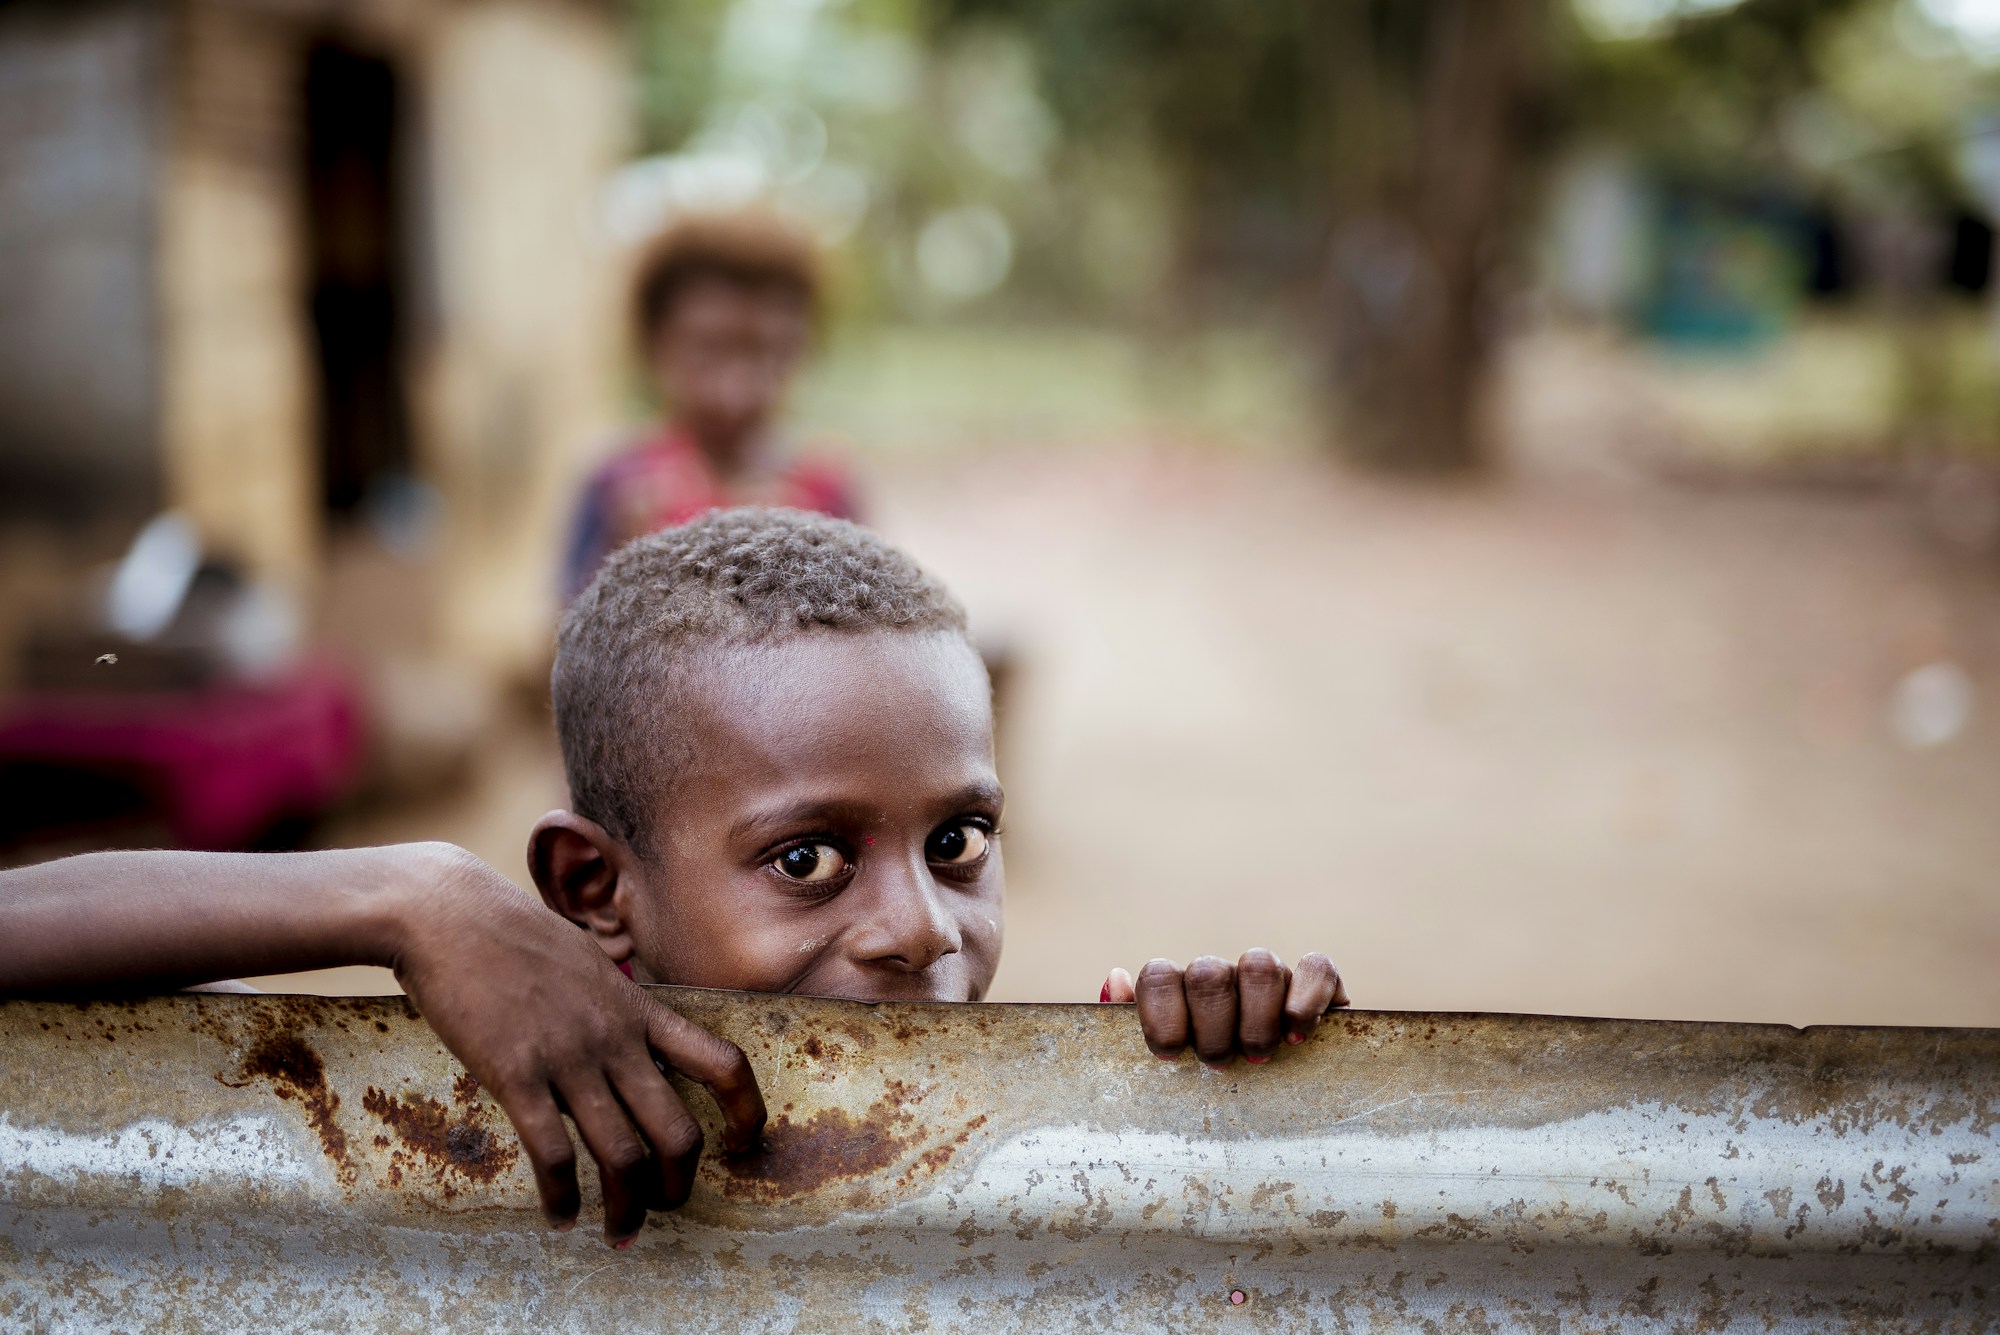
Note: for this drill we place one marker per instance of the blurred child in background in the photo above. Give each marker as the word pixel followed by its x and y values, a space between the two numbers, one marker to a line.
pixel 724 311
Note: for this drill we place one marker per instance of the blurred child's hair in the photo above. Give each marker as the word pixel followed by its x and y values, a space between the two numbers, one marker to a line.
pixel 743 576
pixel 752 250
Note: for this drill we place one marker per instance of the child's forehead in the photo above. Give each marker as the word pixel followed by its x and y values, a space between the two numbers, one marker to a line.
pixel 877 695
pixel 839 728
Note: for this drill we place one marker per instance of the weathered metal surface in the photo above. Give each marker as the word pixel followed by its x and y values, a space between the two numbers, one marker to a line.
pixel 219 1163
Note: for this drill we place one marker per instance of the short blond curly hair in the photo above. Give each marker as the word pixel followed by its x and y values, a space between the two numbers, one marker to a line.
pixel 753 250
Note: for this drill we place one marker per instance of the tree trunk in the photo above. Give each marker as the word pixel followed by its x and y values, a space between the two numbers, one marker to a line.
pixel 1427 160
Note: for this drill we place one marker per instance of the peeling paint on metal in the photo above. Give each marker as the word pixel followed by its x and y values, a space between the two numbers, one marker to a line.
pixel 215 1162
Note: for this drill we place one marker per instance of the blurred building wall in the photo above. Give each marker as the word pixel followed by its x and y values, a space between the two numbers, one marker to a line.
pixel 78 366
pixel 237 410
pixel 529 113
pixel 163 244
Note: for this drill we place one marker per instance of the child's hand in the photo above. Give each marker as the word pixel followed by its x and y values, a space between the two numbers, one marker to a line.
pixel 534 1009
pixel 1250 1007
pixel 544 1020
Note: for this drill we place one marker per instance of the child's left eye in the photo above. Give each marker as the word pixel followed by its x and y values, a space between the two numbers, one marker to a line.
pixel 957 845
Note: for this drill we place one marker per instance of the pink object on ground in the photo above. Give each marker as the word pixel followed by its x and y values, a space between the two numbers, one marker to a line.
pixel 221 763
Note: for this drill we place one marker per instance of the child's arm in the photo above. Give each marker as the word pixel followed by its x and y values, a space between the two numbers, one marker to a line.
pixel 536 1012
pixel 1222 1009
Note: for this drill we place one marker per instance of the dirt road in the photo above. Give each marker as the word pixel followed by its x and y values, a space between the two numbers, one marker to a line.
pixel 1559 745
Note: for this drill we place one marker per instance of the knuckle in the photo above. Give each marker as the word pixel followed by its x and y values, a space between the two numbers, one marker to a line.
pixel 555 1154
pixel 515 1075
pixel 731 1066
pixel 1209 977
pixel 687 1045
pixel 680 1140
pixel 1305 1004
pixel 1260 966
pixel 622 1155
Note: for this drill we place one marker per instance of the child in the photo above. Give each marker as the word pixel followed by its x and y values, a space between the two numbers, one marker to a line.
pixel 724 310
pixel 780 758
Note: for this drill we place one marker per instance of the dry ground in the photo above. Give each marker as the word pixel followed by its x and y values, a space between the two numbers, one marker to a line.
pixel 1574 743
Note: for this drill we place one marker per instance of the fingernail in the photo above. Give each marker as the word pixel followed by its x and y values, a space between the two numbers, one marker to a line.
pixel 622 1243
pixel 563 1225
pixel 1166 1056
pixel 1255 1061
pixel 1104 993
pixel 1295 1038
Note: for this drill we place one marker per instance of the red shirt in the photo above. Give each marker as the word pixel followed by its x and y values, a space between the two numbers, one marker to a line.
pixel 666 480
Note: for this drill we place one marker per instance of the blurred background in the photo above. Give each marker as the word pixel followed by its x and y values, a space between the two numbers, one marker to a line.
pixel 1504 491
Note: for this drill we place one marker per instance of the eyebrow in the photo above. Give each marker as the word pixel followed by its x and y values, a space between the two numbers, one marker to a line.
pixel 839 811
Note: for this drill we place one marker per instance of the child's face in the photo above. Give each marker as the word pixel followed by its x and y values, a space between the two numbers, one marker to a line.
pixel 833 831
pixel 724 355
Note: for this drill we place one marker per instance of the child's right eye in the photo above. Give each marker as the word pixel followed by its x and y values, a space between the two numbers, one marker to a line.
pixel 810 863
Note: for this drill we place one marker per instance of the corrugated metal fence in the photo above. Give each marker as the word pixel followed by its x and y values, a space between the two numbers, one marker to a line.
pixel 223 1163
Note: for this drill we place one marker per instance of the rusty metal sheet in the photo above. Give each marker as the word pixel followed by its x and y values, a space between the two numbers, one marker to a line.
pixel 226 1163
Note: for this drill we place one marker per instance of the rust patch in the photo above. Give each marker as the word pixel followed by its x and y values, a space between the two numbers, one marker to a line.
pixel 830 1146
pixel 297 1073
pixel 823 1053
pixel 449 1144
pixel 936 1157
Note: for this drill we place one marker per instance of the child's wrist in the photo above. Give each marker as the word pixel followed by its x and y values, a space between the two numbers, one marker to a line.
pixel 403 883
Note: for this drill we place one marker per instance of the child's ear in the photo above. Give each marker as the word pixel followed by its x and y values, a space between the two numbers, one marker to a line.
pixel 578 866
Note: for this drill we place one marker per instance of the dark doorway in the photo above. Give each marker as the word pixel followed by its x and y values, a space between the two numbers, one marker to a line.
pixel 353 109
pixel 1970 265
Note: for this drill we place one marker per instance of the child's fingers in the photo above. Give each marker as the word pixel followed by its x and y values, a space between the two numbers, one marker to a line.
pixel 668 1127
pixel 716 1063
pixel 1118 989
pixel 628 1174
pixel 551 1153
pixel 1315 989
pixel 1262 981
pixel 1210 984
pixel 1163 1012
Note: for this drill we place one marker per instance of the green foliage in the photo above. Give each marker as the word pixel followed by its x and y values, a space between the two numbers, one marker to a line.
pixel 1848 98
pixel 1222 88
pixel 674 45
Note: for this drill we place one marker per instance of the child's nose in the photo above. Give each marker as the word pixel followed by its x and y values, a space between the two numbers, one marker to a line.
pixel 910 927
